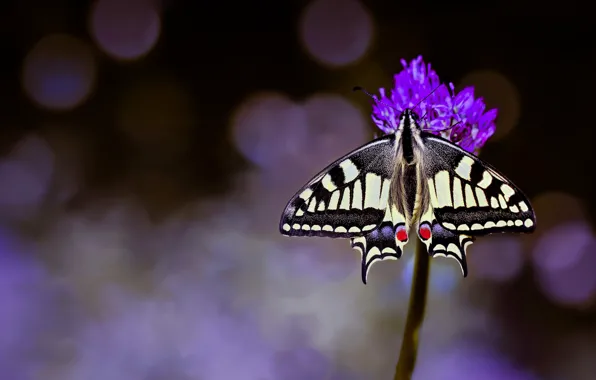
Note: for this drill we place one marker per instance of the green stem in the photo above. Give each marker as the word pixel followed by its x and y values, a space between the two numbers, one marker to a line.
pixel 409 346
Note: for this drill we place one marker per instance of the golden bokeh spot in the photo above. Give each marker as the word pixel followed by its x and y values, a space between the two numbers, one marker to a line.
pixel 498 92
pixel 157 113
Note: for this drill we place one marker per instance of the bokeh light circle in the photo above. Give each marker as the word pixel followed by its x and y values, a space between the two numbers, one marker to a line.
pixel 469 360
pixel 59 72
pixel 498 92
pixel 336 127
pixel 274 132
pixel 564 261
pixel 497 258
pixel 21 186
pixel 269 128
pixel 336 32
pixel 125 30
pixel 26 175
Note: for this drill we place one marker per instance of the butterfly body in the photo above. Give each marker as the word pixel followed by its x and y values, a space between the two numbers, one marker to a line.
pixel 409 181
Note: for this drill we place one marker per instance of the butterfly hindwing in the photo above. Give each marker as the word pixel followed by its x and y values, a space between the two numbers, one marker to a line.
pixel 442 242
pixel 468 195
pixel 346 199
pixel 385 242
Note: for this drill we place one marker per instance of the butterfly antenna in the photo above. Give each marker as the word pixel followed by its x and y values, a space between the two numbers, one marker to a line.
pixel 426 97
pixel 374 97
pixel 429 94
pixel 448 128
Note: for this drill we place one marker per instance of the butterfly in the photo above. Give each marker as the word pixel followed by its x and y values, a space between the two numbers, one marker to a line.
pixel 407 179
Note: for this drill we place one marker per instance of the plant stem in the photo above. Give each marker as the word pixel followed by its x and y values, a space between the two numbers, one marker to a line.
pixel 409 346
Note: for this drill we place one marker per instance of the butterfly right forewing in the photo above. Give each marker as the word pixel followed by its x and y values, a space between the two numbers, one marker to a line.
pixel 468 196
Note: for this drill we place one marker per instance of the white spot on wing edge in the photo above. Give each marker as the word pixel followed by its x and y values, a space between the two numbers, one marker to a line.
pixel 482 202
pixel 494 202
pixel 458 196
pixel 374 251
pixel 345 200
pixel 443 190
pixel 312 204
pixel 306 194
pixel 321 206
pixel 502 202
pixel 328 183
pixel 286 227
pixel 334 201
pixel 357 197
pixel 507 191
pixel 433 193
pixel 470 200
pixel 350 170
pixel 464 167
pixel 453 248
pixel 486 180
pixel 439 247
pixel 372 257
pixel 385 194
pixel 372 190
pixel 369 227
pixel 449 226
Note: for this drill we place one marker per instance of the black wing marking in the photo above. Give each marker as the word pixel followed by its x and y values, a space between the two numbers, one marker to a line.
pixel 382 243
pixel 470 196
pixel 442 242
pixel 348 198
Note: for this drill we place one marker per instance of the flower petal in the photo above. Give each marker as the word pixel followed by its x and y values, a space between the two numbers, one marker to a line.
pixel 442 107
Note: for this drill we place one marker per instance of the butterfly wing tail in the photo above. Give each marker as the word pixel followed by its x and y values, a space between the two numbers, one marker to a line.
pixel 375 246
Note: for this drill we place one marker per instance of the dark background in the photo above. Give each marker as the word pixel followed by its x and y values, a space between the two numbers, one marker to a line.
pixel 181 176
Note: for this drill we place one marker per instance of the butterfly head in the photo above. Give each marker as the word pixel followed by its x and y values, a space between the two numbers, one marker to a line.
pixel 409 120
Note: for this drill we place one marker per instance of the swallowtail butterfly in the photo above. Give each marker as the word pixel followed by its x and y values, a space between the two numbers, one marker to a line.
pixel 410 178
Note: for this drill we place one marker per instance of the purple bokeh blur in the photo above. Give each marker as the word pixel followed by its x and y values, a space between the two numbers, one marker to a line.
pixel 96 286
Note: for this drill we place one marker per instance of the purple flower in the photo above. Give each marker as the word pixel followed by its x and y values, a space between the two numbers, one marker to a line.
pixel 457 117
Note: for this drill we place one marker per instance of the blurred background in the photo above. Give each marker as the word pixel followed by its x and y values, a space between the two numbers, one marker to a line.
pixel 148 148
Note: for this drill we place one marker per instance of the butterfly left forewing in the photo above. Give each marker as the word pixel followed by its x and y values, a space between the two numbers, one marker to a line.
pixel 468 196
pixel 346 199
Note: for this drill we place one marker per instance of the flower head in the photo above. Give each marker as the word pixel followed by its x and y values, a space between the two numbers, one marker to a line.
pixel 456 116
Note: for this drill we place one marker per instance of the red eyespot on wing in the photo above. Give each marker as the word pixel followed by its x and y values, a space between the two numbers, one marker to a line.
pixel 401 234
pixel 424 231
